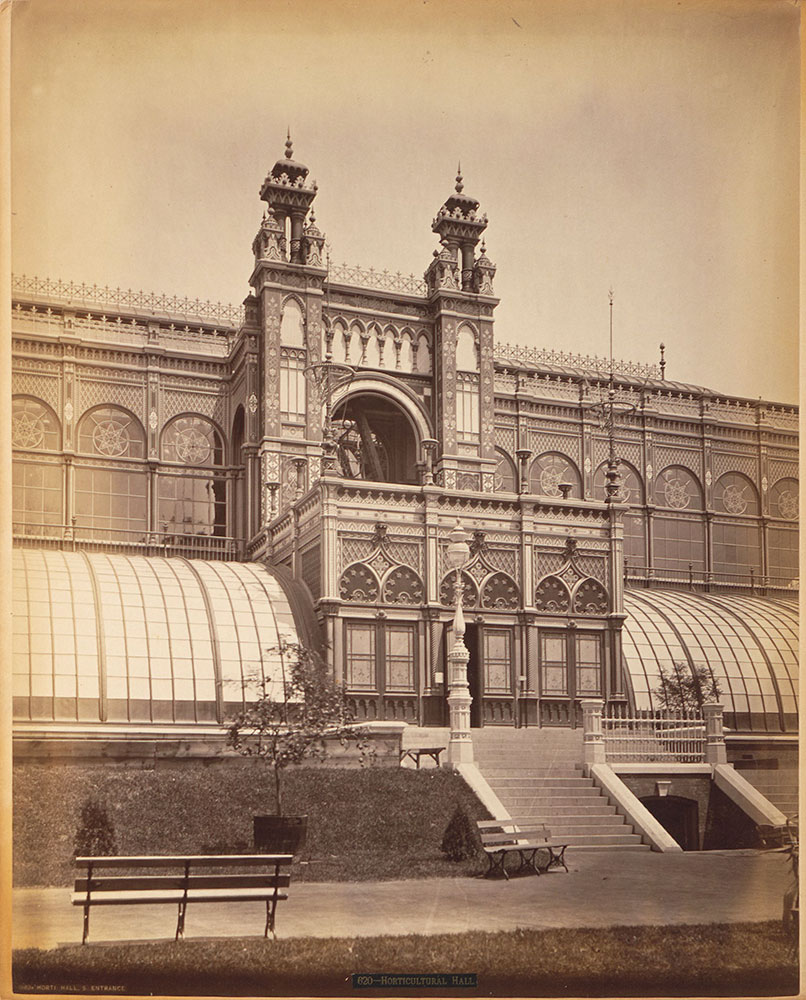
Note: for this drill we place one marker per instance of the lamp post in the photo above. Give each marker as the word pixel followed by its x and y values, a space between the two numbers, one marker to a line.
pixel 327 376
pixel 460 747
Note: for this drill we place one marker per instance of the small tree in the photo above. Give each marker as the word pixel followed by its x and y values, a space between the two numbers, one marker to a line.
pixel 291 720
pixel 96 834
pixel 685 689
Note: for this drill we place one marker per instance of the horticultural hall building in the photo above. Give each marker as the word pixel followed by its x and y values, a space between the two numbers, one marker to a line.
pixel 195 484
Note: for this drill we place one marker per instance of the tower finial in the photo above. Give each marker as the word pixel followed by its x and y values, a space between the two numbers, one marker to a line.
pixel 459 185
pixel 289 149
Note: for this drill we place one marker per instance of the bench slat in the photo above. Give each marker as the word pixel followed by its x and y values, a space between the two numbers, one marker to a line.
pixel 177 896
pixel 133 882
pixel 194 860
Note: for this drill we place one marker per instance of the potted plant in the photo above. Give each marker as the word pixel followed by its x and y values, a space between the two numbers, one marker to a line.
pixel 288 722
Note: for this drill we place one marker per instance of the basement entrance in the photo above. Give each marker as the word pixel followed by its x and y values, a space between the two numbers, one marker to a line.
pixel 678 816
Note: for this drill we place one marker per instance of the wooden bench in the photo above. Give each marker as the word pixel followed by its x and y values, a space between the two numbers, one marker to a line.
pixel 134 881
pixel 500 837
pixel 415 753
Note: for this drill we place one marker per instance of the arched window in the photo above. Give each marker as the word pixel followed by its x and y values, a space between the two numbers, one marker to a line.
pixel 467 408
pixel 631 489
pixel 192 440
pixel 112 432
pixel 34 426
pixel 784 499
pixel 423 354
pixel 631 492
pixel 678 489
pixel 734 493
pixel 192 502
pixel 372 351
pixel 467 355
pixel 550 471
pixel 36 485
pixel 406 352
pixel 292 325
pixel 506 476
pixel 782 538
pixel 338 343
pixel 111 501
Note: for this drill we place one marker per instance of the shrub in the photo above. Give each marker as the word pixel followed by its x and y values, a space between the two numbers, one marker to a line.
pixel 459 841
pixel 96 834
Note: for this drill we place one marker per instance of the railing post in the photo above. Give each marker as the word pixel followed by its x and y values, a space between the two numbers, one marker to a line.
pixel 593 737
pixel 715 749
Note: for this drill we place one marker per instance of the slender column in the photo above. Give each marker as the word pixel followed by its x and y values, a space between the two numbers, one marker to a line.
pixel 460 748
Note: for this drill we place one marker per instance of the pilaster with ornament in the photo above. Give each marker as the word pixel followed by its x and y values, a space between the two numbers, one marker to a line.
pixel 68 397
pixel 431 554
pixel 707 468
pixel 615 576
pixel 616 674
pixel 486 388
pixel 153 406
pixel 708 518
pixel 586 441
pixel 764 478
pixel 527 539
pixel 530 661
pixel 313 343
pixel 330 533
pixel 271 300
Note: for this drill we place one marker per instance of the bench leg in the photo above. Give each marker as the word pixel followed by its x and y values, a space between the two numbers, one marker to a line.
pixel 556 860
pixel 530 862
pixel 180 921
pixel 271 906
pixel 495 862
pixel 86 931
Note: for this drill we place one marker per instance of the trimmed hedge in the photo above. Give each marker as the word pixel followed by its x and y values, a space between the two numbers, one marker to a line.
pixel 375 823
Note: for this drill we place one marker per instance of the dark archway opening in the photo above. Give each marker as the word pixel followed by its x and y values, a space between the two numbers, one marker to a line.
pixel 374 440
pixel 678 816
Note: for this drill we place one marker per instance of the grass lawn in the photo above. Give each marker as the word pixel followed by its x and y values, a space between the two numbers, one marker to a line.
pixel 703 960
pixel 373 823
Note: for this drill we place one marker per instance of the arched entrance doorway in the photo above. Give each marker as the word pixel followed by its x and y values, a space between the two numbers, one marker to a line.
pixel 375 440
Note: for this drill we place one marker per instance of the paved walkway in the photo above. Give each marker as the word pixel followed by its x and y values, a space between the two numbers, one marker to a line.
pixel 602 889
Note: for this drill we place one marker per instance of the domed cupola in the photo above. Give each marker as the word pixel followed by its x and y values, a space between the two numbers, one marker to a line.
pixel 289 195
pixel 459 227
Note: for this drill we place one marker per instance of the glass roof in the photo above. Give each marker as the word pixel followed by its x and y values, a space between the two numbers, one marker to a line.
pixel 748 643
pixel 100 637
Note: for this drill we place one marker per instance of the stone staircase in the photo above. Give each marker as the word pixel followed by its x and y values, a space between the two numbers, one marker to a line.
pixel 779 786
pixel 537 775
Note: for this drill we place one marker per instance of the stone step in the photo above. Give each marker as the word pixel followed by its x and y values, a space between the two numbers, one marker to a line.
pixel 538 762
pixel 610 847
pixel 598 839
pixel 590 825
pixel 529 804
pixel 561 796
pixel 497 773
pixel 587 820
pixel 566 813
pixel 543 782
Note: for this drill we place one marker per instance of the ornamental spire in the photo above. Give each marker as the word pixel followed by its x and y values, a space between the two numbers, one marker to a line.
pixel 289 147
pixel 459 185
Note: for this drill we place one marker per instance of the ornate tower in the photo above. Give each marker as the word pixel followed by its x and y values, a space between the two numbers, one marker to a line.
pixel 287 280
pixel 460 290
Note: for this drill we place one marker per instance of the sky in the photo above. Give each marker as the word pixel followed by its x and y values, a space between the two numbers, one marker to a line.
pixel 647 146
